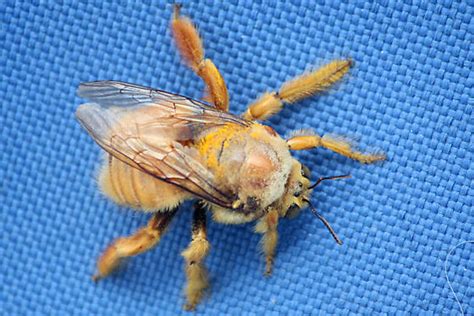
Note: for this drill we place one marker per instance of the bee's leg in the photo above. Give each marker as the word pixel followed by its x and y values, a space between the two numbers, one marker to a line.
pixel 194 255
pixel 268 227
pixel 338 145
pixel 297 89
pixel 190 46
pixel 142 240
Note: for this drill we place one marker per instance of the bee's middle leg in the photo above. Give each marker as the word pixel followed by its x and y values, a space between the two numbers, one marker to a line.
pixel 194 255
pixel 335 144
pixel 268 227
pixel 142 240
pixel 191 48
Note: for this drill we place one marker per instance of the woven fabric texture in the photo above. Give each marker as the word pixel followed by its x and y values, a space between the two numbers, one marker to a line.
pixel 410 94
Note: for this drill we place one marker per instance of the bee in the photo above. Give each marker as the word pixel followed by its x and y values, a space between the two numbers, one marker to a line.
pixel 162 149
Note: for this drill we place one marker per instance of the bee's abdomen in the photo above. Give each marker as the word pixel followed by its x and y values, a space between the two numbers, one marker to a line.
pixel 128 186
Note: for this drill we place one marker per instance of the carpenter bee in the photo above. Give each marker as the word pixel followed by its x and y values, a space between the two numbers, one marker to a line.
pixel 162 149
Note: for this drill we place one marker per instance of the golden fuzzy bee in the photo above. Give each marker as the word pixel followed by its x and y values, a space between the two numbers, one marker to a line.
pixel 163 148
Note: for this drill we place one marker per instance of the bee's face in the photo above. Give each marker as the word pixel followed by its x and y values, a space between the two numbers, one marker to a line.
pixel 298 190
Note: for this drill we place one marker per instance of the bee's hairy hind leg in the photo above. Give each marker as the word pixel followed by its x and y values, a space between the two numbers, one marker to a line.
pixel 194 255
pixel 268 227
pixel 335 144
pixel 297 89
pixel 141 241
pixel 191 48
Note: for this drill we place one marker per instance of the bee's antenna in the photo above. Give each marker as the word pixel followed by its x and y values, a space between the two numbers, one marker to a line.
pixel 325 222
pixel 344 176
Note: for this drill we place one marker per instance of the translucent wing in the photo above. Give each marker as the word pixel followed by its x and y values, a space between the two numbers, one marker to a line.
pixel 153 131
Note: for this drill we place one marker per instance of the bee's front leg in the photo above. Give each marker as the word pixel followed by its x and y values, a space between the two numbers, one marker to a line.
pixel 194 255
pixel 142 240
pixel 267 226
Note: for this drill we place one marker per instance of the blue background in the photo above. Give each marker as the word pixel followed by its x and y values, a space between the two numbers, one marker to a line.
pixel 410 94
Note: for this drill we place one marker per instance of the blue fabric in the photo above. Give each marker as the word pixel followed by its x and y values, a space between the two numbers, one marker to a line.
pixel 410 94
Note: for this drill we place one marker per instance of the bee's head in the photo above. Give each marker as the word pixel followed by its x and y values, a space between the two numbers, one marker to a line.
pixel 299 193
pixel 298 190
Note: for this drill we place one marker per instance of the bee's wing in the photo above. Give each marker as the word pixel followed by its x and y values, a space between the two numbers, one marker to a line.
pixel 152 130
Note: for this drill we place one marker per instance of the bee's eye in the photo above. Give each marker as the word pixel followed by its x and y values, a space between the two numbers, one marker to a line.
pixel 299 189
pixel 305 172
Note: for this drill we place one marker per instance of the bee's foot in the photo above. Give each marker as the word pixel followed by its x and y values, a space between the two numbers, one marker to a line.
pixel 96 278
pixel 268 270
pixel 190 307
